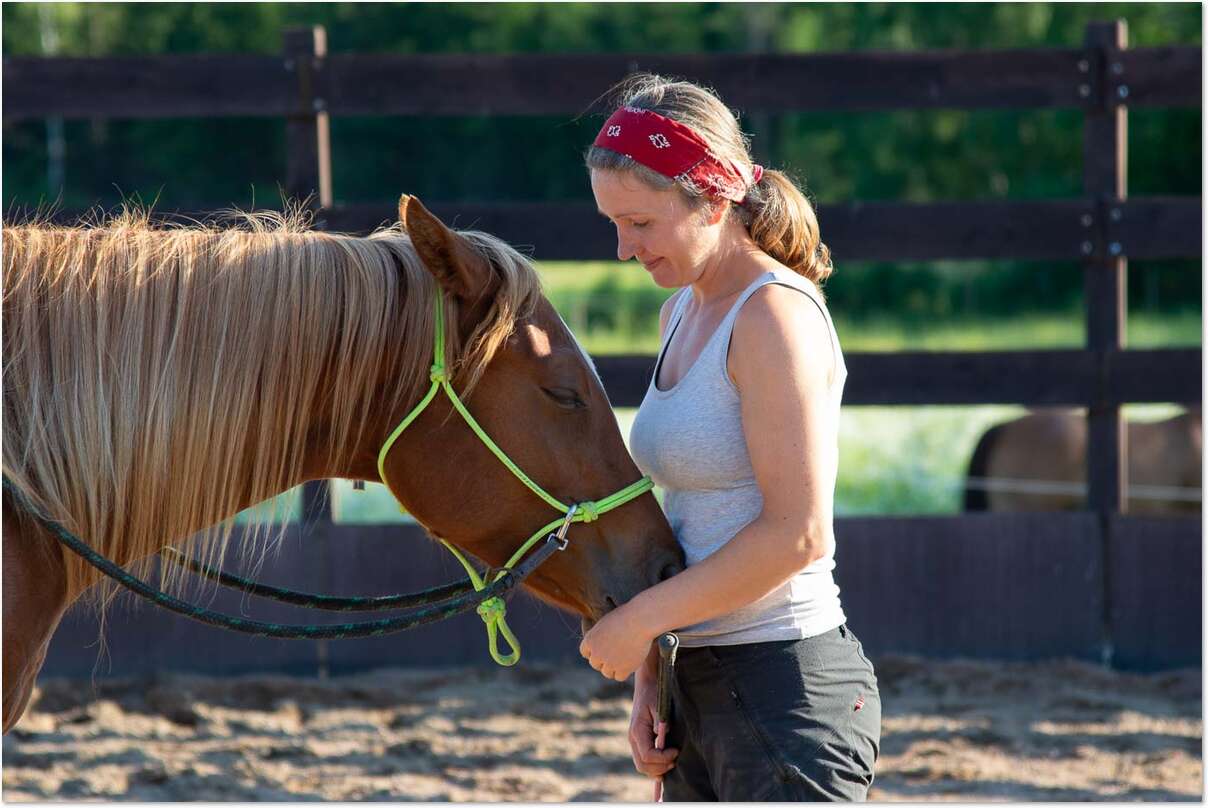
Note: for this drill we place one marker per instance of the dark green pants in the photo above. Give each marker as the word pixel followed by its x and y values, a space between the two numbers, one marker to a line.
pixel 794 720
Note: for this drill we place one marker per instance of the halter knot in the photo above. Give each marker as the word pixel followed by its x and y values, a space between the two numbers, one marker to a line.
pixel 589 510
pixel 492 610
pixel 438 373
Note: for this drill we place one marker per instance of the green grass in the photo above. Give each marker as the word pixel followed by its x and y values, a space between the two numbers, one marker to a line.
pixel 892 460
pixel 1034 331
pixel 1037 331
pixel 613 308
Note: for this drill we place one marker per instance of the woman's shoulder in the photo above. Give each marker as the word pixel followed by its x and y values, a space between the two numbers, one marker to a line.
pixel 780 294
pixel 779 274
pixel 776 308
pixel 782 318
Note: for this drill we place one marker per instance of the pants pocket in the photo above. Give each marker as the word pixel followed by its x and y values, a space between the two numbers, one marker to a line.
pixel 850 635
pixel 815 710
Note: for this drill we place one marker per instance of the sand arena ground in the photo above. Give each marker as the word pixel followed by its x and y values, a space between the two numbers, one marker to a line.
pixel 968 731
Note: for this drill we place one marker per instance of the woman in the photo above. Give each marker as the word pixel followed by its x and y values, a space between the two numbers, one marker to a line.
pixel 774 698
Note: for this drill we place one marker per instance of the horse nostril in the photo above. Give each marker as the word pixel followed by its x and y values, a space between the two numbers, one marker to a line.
pixel 669 570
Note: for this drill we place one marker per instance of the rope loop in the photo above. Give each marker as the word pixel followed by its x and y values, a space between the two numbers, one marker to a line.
pixel 438 373
pixel 492 610
pixel 590 511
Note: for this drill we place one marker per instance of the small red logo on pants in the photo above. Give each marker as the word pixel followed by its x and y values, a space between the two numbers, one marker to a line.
pixel 859 702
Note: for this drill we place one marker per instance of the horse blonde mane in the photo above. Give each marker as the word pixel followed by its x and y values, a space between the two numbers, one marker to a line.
pixel 159 378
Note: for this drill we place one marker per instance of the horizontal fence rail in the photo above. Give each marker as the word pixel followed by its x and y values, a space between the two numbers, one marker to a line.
pixel 1031 378
pixel 1148 227
pixel 1141 227
pixel 204 85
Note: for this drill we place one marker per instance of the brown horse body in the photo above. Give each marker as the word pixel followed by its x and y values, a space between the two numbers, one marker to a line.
pixel 535 392
pixel 1038 463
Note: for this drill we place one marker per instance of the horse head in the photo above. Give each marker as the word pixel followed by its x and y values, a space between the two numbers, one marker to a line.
pixel 540 399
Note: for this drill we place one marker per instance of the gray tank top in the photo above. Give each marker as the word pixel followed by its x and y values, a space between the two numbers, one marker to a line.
pixel 689 439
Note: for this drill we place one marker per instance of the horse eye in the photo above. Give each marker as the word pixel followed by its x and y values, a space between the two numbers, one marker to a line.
pixel 565 397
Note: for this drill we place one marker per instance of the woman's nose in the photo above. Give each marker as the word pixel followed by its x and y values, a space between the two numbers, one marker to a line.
pixel 626 245
pixel 625 250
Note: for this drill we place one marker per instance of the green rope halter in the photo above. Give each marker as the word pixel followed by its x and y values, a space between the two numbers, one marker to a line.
pixel 493 611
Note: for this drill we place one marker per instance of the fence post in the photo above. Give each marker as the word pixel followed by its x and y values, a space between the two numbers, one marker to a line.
pixel 308 173
pixel 308 183
pixel 307 134
pixel 761 23
pixel 1105 180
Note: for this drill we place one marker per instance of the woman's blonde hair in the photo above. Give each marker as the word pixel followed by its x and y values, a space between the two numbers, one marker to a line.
pixel 776 213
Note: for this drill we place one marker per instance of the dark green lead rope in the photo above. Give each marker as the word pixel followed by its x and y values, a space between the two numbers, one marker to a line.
pixel 331 603
pixel 508 581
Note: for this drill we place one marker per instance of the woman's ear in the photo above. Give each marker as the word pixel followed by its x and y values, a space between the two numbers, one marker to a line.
pixel 715 209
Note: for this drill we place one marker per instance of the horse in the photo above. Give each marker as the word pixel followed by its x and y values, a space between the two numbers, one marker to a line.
pixel 160 378
pixel 1037 462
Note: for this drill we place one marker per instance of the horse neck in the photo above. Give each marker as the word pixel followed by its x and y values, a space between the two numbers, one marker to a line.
pixel 198 415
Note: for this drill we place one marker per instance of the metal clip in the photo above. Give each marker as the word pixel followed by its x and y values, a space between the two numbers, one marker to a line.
pixel 560 537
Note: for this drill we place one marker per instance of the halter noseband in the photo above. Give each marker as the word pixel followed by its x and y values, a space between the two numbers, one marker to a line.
pixel 493 610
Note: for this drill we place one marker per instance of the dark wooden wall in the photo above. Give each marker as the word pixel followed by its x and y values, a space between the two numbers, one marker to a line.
pixel 991 586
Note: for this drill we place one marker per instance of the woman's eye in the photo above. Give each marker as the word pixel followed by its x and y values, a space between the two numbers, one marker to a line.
pixel 640 225
pixel 564 397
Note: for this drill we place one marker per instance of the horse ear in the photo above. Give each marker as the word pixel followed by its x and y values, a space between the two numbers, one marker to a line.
pixel 457 267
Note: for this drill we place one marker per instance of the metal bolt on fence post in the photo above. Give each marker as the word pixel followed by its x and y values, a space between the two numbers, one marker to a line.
pixel 1117 214
pixel 1114 248
pixel 1122 91
pixel 289 65
pixel 1087 220
pixel 320 105
pixel 1084 90
pixel 1087 248
pixel 1117 68
pixel 1083 66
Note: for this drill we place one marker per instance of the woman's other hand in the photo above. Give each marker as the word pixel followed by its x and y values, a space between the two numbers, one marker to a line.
pixel 646 759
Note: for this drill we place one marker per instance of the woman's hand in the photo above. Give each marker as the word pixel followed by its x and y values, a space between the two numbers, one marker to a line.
pixel 646 759
pixel 617 644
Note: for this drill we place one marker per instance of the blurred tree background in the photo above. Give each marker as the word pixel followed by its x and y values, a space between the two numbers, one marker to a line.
pixel 907 155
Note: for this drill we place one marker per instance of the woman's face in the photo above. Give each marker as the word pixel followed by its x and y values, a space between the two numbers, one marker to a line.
pixel 657 227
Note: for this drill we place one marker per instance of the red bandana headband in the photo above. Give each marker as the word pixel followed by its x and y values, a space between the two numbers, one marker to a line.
pixel 674 150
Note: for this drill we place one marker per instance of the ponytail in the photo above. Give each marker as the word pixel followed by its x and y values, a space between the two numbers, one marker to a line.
pixel 783 224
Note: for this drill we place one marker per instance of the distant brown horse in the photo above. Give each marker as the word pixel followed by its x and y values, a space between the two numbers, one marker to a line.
pixel 159 380
pixel 1038 463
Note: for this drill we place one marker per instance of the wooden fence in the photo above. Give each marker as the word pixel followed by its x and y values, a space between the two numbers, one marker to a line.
pixel 1097 584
